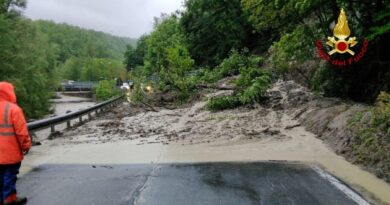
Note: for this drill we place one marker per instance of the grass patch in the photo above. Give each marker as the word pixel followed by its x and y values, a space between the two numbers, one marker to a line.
pixel 223 103
pixel 371 142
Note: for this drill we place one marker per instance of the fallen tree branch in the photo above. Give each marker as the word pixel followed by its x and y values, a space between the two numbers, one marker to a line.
pixel 289 127
pixel 217 87
pixel 148 105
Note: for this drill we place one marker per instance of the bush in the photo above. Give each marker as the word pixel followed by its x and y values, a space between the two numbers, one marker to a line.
pixel 381 113
pixel 252 86
pixel 231 66
pixel 106 90
pixel 235 64
pixel 223 103
pixel 256 92
pixel 252 83
pixel 205 75
pixel 247 76
pixel 371 140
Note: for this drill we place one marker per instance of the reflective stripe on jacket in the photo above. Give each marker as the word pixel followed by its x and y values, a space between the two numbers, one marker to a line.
pixel 14 137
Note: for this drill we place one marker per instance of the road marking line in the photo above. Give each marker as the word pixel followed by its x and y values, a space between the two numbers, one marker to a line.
pixel 341 186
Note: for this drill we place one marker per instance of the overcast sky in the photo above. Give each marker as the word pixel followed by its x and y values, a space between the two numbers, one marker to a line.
pixel 129 18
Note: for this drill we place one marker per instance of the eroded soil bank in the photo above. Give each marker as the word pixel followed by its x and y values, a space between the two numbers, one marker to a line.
pixel 276 131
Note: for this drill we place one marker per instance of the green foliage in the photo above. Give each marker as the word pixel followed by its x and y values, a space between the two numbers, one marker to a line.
pixel 106 90
pixel 382 21
pixel 276 15
pixel 374 123
pixel 131 59
pixel 256 92
pixel 231 66
pixel 249 73
pixel 12 7
pixel 72 41
pixel 168 58
pixel 35 55
pixel 167 35
pixel 272 19
pixel 381 113
pixel 93 69
pixel 138 94
pixel 213 28
pixel 71 69
pixel 135 57
pixel 98 69
pixel 371 142
pixel 252 82
pixel 179 64
pixel 28 61
pixel 252 92
pixel 292 50
pixel 235 64
pixel 223 103
pixel 294 25
pixel 206 75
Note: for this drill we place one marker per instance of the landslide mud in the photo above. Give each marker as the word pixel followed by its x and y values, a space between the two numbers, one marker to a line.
pixel 271 132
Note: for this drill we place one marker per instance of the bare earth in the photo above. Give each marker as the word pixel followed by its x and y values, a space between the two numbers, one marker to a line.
pixel 127 135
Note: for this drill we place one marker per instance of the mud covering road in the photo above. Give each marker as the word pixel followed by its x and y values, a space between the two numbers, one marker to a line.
pixel 189 184
pixel 129 135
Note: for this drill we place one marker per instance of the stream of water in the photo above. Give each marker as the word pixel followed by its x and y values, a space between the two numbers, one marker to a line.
pixel 65 104
pixel 68 104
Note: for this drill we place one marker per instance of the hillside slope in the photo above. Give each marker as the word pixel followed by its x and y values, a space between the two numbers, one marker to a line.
pixel 73 41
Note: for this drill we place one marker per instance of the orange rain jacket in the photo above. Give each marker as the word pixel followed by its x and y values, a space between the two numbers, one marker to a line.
pixel 14 137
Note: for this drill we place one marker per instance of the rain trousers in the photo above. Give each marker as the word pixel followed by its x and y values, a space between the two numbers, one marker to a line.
pixel 14 141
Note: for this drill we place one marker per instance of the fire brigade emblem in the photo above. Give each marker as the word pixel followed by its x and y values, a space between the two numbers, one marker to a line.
pixel 341 42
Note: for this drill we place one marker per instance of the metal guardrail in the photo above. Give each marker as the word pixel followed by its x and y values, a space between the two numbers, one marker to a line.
pixel 52 122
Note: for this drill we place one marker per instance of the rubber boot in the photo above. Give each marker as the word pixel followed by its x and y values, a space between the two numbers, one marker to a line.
pixel 18 201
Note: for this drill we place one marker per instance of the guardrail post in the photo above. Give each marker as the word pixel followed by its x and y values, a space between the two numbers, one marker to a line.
pixel 52 122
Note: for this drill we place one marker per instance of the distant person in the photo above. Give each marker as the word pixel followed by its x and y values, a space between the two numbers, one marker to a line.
pixel 14 143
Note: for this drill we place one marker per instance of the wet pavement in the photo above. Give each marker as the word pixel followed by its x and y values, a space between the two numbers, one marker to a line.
pixel 266 183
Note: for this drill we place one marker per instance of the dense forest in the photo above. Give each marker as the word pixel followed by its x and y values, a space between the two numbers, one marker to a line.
pixel 283 33
pixel 36 55
pixel 261 41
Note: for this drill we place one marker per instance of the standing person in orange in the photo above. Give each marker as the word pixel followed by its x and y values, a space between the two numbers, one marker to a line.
pixel 14 143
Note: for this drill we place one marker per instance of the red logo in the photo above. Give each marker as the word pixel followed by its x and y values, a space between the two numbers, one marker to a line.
pixel 341 45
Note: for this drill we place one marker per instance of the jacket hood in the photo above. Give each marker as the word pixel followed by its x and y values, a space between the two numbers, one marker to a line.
pixel 7 92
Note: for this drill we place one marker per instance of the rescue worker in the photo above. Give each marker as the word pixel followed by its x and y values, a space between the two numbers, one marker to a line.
pixel 14 143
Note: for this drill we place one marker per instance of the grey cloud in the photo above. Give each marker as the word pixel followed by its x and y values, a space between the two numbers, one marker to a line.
pixel 130 18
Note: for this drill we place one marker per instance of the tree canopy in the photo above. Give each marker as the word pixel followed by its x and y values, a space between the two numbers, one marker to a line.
pixel 36 55
pixel 284 32
pixel 213 28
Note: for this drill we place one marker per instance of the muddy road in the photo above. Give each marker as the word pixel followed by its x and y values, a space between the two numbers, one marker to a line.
pixel 128 138
pixel 184 184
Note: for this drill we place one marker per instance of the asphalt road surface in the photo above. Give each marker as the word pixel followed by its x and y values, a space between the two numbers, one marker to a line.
pixel 265 183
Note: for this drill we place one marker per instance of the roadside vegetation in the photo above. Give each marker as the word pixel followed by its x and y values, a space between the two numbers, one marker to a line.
pixel 208 41
pixel 106 89
pixel 257 42
pixel 371 142
pixel 36 55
